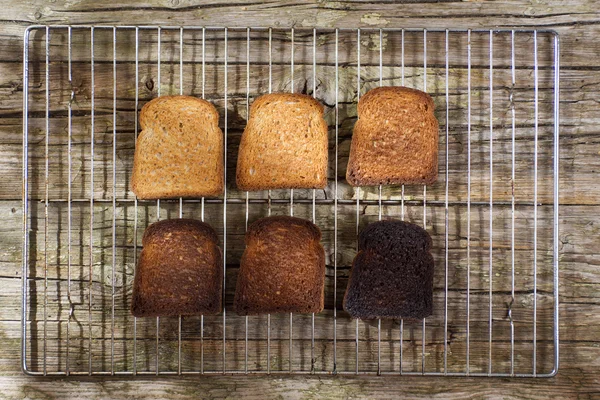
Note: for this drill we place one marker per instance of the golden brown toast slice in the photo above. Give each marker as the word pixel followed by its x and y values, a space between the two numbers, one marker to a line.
pixel 179 152
pixel 395 140
pixel 284 145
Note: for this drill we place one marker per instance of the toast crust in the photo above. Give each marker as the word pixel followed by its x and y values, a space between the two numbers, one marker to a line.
pixel 284 144
pixel 179 152
pixel 395 140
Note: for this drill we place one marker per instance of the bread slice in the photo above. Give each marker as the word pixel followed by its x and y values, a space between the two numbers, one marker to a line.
pixel 395 139
pixel 180 270
pixel 282 269
pixel 179 151
pixel 392 274
pixel 284 145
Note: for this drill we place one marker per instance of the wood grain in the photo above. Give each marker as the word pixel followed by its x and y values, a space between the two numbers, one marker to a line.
pixel 575 21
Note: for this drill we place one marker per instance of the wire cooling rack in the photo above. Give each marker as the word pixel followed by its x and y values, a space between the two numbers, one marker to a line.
pixel 493 214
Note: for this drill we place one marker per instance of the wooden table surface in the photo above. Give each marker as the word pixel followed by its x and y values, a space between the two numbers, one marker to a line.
pixel 577 21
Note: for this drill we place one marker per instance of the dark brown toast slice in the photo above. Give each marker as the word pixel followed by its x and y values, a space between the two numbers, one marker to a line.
pixel 179 152
pixel 180 270
pixel 392 274
pixel 284 144
pixel 395 139
pixel 282 269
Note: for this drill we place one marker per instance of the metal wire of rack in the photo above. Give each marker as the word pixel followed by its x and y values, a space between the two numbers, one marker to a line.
pixel 493 214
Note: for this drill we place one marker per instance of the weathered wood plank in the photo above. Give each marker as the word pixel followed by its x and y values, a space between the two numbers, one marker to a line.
pixel 214 39
pixel 365 15
pixel 306 387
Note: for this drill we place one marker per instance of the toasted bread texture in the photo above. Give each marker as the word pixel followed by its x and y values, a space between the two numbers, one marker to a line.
pixel 180 270
pixel 392 274
pixel 179 152
pixel 395 139
pixel 284 145
pixel 282 269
